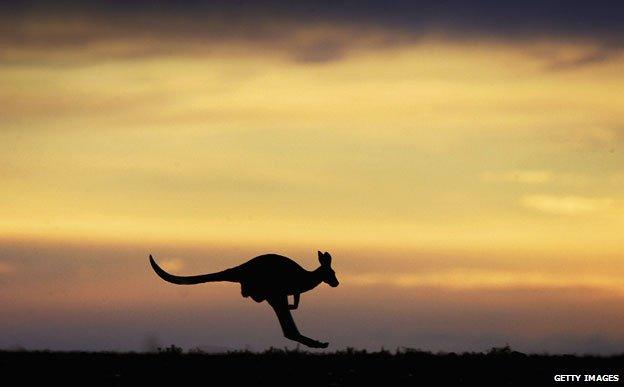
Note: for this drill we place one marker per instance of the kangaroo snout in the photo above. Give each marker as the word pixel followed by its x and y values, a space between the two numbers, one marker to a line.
pixel 331 280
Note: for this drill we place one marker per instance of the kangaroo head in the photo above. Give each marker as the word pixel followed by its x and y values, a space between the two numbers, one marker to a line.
pixel 327 273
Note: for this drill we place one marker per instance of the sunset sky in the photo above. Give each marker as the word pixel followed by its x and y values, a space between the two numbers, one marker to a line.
pixel 463 162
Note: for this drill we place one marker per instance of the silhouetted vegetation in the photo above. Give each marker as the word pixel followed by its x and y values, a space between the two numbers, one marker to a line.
pixel 348 367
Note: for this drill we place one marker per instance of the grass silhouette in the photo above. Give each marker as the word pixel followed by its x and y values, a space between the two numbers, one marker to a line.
pixel 349 367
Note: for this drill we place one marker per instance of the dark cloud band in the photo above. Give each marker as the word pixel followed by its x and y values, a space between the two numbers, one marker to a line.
pixel 281 26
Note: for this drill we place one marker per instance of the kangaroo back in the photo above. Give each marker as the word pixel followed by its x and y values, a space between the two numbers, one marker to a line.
pixel 225 275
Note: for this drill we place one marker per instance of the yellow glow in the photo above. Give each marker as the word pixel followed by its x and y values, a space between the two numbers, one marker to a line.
pixel 467 279
pixel 471 147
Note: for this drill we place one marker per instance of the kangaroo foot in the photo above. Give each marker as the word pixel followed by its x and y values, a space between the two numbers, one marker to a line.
pixel 319 344
pixel 308 342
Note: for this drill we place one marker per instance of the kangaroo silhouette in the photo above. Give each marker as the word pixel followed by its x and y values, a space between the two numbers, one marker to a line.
pixel 273 278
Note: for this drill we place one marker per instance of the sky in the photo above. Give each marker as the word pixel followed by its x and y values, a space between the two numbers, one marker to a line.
pixel 463 163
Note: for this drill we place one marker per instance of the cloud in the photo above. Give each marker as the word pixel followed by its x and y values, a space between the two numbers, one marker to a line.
pixel 483 278
pixel 514 19
pixel 536 177
pixel 593 135
pixel 566 205
pixel 587 58
pixel 145 29
pixel 5 268
pixel 518 176
pixel 173 265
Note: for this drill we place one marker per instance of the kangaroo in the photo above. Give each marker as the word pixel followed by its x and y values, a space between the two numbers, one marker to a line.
pixel 273 278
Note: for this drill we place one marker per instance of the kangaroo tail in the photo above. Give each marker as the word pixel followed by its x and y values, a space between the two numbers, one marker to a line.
pixel 191 280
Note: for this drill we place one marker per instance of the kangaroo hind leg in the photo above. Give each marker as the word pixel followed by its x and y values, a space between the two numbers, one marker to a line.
pixel 282 311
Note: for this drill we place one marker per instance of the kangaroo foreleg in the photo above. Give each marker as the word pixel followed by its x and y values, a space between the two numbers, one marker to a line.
pixel 281 308
pixel 295 304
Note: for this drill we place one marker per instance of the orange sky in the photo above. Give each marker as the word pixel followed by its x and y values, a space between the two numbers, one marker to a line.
pixel 453 168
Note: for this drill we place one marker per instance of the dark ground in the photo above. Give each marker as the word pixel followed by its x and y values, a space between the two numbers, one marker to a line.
pixel 500 367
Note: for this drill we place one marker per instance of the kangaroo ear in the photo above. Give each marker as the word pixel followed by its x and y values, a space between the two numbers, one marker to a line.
pixel 324 258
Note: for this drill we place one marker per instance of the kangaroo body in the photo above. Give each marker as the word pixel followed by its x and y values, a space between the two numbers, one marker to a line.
pixel 271 278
